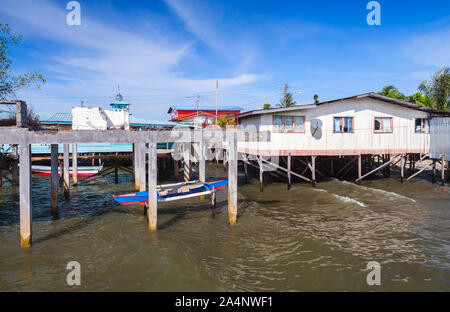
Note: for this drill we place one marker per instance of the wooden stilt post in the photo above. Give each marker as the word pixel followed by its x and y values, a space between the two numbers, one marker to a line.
pixel 152 213
pixel 15 166
pixel 402 169
pixel 54 185
pixel 116 169
pixel 66 171
pixel 74 164
pixel 225 161
pixel 332 166
pixel 359 169
pixel 261 174
pixel 216 152
pixel 26 204
pixel 201 159
pixel 388 167
pixel 176 172
pixel 213 200
pixel 442 170
pixel 433 172
pixel 232 178
pixel 93 159
pixel 245 169
pixel 313 170
pixel 289 170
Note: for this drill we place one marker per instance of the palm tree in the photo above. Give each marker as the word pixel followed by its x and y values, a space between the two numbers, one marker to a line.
pixel 438 89
pixel 287 101
pixel 316 98
pixel 392 92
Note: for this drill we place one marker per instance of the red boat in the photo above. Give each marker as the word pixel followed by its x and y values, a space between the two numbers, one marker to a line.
pixel 82 171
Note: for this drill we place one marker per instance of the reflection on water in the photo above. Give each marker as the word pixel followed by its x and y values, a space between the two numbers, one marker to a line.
pixel 302 239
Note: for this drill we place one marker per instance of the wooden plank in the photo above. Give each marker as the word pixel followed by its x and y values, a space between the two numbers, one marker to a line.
pixel 26 204
pixel 379 168
pixel 152 212
pixel 54 185
pixel 418 172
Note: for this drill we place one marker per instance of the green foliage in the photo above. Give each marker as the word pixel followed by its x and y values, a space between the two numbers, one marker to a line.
pixel 316 98
pixel 287 102
pixel 419 98
pixel 267 106
pixel 10 83
pixel 392 92
pixel 438 89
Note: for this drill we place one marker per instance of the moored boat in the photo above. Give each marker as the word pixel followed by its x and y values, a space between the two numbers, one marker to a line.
pixel 177 191
pixel 82 171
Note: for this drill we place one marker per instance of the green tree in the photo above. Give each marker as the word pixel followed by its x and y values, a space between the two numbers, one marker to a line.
pixel 267 106
pixel 316 98
pixel 392 92
pixel 10 83
pixel 419 98
pixel 287 101
pixel 438 89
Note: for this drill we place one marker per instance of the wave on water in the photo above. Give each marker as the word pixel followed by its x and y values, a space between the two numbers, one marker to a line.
pixel 379 191
pixel 343 198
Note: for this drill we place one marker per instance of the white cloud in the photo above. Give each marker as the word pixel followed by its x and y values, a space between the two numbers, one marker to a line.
pixel 431 49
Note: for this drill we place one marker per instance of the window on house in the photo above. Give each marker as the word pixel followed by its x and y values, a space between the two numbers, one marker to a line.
pixel 383 124
pixel 299 124
pixel 343 124
pixel 277 123
pixel 288 124
pixel 422 125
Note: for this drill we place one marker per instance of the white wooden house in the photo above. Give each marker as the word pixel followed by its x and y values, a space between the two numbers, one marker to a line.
pixel 366 124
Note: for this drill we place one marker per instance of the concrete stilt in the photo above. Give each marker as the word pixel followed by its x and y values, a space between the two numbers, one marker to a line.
pixel 232 178
pixel 201 159
pixel 359 169
pixel 66 171
pixel 25 195
pixel 261 174
pixel 152 213
pixel 74 164
pixel 54 178
pixel 187 163
pixel 142 157
pixel 402 169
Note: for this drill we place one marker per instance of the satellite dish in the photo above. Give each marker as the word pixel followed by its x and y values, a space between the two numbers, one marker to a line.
pixel 316 125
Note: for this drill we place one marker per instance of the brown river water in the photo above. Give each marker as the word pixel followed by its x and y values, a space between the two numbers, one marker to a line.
pixel 304 239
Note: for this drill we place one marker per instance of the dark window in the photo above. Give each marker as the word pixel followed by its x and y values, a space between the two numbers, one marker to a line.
pixel 383 124
pixel 422 125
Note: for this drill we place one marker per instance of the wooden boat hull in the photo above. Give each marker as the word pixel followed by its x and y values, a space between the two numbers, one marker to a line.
pixel 82 171
pixel 142 197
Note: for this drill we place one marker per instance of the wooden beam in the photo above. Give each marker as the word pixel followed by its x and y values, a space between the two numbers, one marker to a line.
pixel 152 212
pixel 313 170
pixel 54 179
pixel 379 168
pixel 351 161
pixel 418 172
pixel 26 204
pixel 359 168
pixel 308 164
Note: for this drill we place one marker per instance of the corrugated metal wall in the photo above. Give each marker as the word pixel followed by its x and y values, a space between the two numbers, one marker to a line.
pixel 440 137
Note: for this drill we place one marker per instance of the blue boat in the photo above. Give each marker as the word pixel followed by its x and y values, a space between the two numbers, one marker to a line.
pixel 176 191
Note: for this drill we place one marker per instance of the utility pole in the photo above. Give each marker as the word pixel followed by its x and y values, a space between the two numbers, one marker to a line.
pixel 217 90
pixel 286 86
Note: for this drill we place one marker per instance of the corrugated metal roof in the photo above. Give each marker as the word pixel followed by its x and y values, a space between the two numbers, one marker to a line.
pixel 206 108
pixel 138 122
pixel 276 110
pixel 55 118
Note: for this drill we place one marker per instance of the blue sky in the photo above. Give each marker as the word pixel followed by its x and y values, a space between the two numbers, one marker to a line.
pixel 161 51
